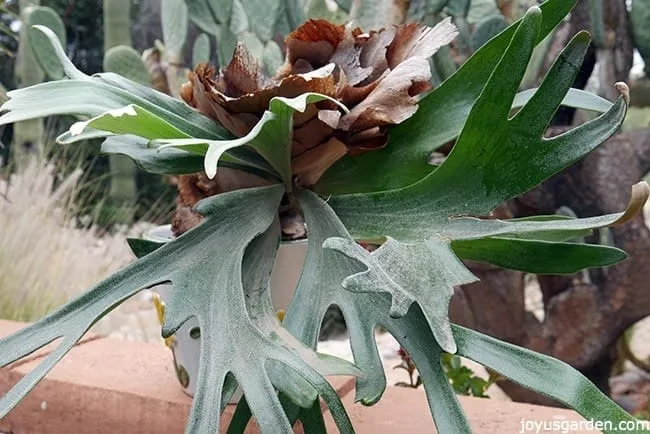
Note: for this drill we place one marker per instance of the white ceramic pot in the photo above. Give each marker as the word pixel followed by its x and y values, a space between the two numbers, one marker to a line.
pixel 186 343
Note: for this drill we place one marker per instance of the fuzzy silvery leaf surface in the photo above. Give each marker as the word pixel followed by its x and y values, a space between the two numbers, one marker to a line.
pixel 366 179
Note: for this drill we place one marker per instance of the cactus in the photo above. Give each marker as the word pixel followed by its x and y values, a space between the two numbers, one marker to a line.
pixel 258 13
pixel 39 43
pixel 288 17
pixel 117 31
pixel 174 19
pixel 639 19
pixel 174 16
pixel 344 4
pixel 486 30
pixel 28 135
pixel 239 19
pixel 374 14
pixel 201 14
pixel 201 50
pixel 117 23
pixel 458 8
pixel 127 62
pixel 320 9
pixel 256 24
pixel 272 58
pixel 443 64
pixel 597 23
pixel 226 42
pixel 481 9
pixel 253 22
pixel 253 43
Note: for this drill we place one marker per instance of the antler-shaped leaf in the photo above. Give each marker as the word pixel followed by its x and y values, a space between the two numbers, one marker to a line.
pixel 536 256
pixel 423 273
pixel 439 119
pixel 546 375
pixel 101 94
pixel 320 286
pixel 88 96
pixel 72 320
pixel 131 119
pixel 496 158
pixel 165 161
pixel 271 136
pixel 239 336
pixel 178 161
pixel 258 262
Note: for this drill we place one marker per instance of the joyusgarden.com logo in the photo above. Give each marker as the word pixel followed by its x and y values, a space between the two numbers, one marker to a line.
pixel 568 426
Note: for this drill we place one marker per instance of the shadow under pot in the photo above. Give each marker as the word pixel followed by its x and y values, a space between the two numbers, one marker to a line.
pixel 185 344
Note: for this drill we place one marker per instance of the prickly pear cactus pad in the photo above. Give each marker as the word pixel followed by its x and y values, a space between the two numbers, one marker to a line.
pixel 39 43
pixel 340 134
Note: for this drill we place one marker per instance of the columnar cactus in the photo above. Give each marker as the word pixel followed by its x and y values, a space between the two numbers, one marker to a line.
pixel 28 134
pixel 117 31
pixel 174 26
pixel 639 18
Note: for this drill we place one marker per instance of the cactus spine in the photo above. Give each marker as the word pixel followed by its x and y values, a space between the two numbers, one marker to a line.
pixel 117 31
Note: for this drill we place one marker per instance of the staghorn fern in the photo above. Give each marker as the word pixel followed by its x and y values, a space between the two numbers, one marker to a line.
pixel 421 215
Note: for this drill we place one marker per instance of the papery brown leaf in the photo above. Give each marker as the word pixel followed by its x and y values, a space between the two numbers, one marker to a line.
pixel 311 45
pixel 391 102
pixel 319 81
pixel 202 97
pixel 301 118
pixel 152 60
pixel 367 140
pixel 373 53
pixel 318 30
pixel 365 135
pixel 186 91
pixel 197 186
pixel 330 117
pixel 309 166
pixel 300 66
pixel 184 220
pixel 415 40
pixel 351 96
pixel 348 58
pixel 311 134
pixel 243 74
pixel 376 74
